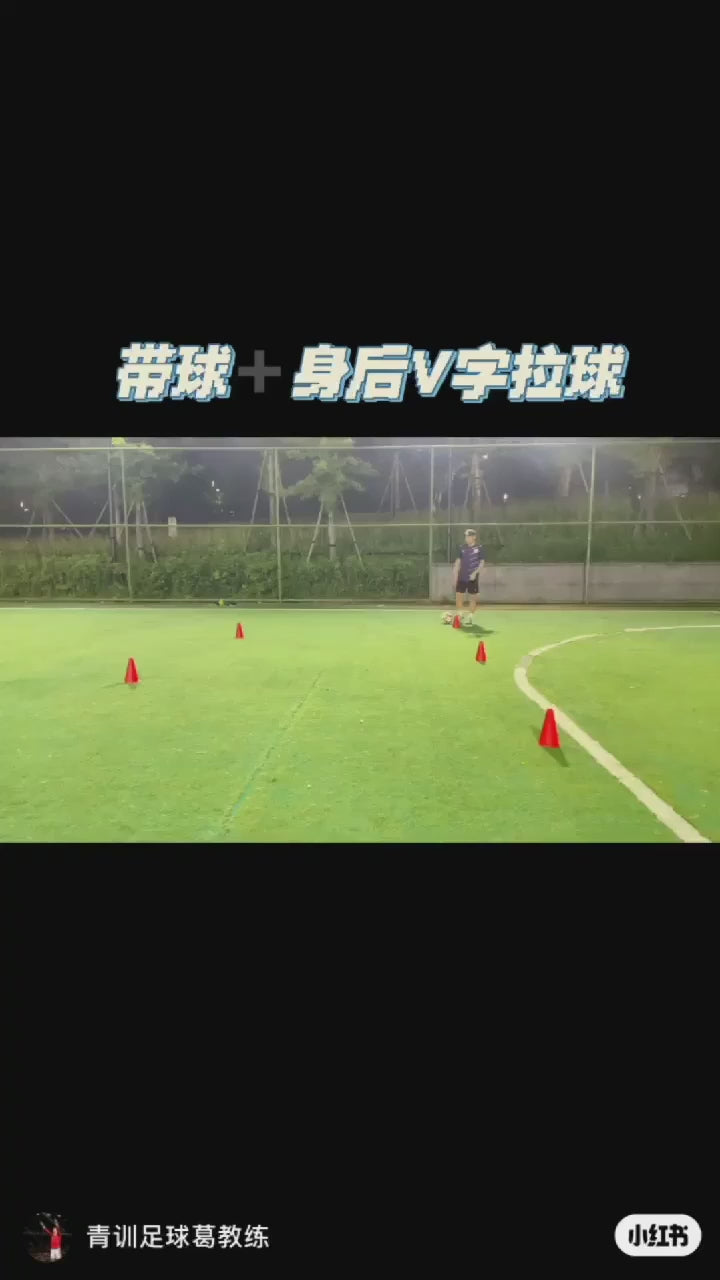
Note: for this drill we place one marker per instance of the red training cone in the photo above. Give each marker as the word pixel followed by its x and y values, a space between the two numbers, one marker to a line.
pixel 131 675
pixel 456 622
pixel 549 736
pixel 239 634
pixel 481 655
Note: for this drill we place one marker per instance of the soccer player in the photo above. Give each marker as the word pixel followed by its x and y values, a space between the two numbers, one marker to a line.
pixel 470 561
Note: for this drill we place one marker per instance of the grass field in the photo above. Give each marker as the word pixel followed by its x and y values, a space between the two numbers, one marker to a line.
pixel 350 725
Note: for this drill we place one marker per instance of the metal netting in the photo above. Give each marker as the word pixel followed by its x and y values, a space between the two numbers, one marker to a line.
pixel 309 521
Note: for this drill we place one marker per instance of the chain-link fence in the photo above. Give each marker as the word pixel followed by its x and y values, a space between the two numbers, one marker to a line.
pixel 578 521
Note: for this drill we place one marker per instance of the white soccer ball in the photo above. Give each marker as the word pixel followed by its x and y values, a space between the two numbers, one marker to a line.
pixel 447 618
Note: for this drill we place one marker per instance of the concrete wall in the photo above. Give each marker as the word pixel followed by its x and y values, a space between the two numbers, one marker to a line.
pixel 655 582
pixel 609 583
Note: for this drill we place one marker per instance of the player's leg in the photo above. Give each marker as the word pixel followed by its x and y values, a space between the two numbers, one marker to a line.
pixel 473 597
pixel 460 600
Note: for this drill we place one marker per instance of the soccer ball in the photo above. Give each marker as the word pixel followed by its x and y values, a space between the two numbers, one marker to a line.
pixel 447 618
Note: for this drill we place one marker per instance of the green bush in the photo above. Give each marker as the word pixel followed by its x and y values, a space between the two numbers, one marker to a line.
pixel 656 543
pixel 403 578
pixel 394 562
pixel 50 576
pixel 555 544
pixel 212 574
pixel 207 573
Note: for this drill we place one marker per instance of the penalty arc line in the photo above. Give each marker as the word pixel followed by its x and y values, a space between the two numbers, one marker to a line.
pixel 659 808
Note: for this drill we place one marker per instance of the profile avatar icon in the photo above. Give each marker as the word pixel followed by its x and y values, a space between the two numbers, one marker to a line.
pixel 47 1237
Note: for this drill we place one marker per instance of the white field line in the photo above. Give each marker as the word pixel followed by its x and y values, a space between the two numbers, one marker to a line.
pixel 684 626
pixel 662 811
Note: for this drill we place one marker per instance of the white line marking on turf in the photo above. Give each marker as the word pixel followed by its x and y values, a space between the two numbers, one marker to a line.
pixel 662 811
pixel 535 653
pixel 685 626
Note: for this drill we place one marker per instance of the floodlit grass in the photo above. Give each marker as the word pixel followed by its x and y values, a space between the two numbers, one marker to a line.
pixel 348 726
pixel 653 700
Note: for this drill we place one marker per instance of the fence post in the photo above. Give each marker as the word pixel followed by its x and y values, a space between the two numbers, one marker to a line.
pixel 430 527
pixel 591 500
pixel 276 487
pixel 111 525
pixel 125 521
pixel 449 504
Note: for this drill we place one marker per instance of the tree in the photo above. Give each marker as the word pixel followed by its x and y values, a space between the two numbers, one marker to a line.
pixel 556 466
pixel 145 472
pixel 568 459
pixel 331 476
pixel 477 483
pixel 459 467
pixel 648 463
pixel 270 482
pixel 39 479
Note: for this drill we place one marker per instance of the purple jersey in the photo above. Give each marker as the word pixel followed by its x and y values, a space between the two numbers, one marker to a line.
pixel 470 558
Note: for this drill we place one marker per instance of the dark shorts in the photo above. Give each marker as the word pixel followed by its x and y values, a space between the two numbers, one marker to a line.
pixel 467 588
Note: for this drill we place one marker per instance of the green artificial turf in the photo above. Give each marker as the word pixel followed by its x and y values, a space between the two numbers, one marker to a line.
pixel 653 700
pixel 349 725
